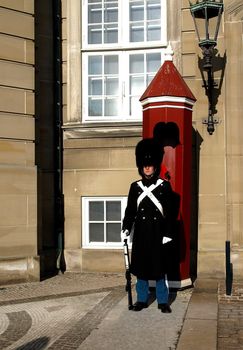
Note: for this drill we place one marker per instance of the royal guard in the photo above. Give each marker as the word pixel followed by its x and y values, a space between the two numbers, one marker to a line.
pixel 148 212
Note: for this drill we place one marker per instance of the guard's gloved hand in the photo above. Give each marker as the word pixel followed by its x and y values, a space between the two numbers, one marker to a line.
pixel 166 240
pixel 124 234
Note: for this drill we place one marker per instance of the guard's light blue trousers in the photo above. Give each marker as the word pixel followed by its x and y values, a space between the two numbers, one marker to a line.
pixel 162 292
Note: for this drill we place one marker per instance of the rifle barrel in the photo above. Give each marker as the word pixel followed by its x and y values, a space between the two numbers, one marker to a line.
pixel 128 275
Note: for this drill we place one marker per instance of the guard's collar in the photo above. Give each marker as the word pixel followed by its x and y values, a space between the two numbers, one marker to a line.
pixel 147 182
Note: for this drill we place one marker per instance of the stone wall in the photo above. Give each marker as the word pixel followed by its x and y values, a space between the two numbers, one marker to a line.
pixel 18 219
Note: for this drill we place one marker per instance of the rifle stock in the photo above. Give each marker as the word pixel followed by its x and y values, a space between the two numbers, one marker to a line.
pixel 128 275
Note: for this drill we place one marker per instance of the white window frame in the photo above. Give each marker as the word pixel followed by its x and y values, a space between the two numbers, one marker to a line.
pixel 85 85
pixel 123 86
pixel 123 29
pixel 85 222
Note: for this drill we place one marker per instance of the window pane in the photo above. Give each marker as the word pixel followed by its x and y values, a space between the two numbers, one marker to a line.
pixel 136 64
pixel 95 34
pixel 111 12
pixel 137 32
pixel 95 65
pixel 110 34
pixel 95 107
pixel 96 232
pixel 94 1
pixel 113 211
pixel 153 62
pixel 153 33
pixel 153 9
pixel 136 85
pixel 95 86
pixel 94 14
pixel 111 107
pixel 111 86
pixel 136 11
pixel 96 211
pixel 135 106
pixel 113 232
pixel 111 64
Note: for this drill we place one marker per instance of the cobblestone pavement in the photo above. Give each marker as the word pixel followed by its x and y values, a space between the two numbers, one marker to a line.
pixel 85 312
pixel 230 317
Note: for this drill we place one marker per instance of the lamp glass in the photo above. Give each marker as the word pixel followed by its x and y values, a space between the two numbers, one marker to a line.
pixel 207 16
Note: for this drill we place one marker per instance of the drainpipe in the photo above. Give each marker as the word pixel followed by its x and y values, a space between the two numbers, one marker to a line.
pixel 59 197
pixel 229 269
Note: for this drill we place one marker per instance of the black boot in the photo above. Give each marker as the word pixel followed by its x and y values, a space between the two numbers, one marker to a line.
pixel 139 305
pixel 165 308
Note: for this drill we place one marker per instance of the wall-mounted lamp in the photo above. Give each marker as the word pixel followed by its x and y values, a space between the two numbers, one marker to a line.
pixel 207 16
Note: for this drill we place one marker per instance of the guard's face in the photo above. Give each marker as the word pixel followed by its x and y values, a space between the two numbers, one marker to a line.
pixel 148 170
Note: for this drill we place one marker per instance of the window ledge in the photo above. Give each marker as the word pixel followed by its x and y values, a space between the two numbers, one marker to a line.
pixel 78 130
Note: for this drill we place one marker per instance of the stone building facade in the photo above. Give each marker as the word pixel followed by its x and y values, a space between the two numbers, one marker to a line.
pixel 18 175
pixel 97 163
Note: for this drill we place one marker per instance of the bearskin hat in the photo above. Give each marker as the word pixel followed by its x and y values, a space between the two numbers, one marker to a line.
pixel 148 152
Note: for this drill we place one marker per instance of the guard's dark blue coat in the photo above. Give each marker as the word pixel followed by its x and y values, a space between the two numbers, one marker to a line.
pixel 148 260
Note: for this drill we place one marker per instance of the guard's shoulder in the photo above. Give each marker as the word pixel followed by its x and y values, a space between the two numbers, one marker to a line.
pixel 166 185
pixel 135 184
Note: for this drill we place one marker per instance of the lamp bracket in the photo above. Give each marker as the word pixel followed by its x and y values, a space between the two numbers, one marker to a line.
pixel 215 121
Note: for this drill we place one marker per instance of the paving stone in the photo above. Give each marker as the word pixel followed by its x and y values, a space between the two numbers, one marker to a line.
pixel 230 317
pixel 73 311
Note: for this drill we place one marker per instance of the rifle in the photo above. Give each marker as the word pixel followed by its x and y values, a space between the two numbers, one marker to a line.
pixel 128 275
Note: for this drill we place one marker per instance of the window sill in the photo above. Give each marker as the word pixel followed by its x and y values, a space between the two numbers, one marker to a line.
pixel 97 130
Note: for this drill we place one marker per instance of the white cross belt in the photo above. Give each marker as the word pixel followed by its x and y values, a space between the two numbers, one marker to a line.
pixel 147 192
